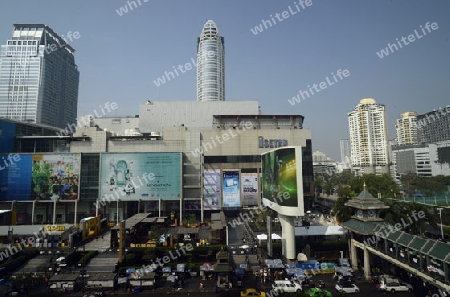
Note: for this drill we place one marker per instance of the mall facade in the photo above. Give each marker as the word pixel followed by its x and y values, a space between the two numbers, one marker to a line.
pixel 174 159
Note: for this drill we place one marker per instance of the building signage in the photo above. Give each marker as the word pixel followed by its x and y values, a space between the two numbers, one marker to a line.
pixel 271 143
pixel 55 228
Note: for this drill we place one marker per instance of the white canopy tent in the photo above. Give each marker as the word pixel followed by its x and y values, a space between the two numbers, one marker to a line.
pixel 264 236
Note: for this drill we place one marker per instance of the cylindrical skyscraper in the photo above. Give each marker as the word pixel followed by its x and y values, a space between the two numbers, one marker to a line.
pixel 210 64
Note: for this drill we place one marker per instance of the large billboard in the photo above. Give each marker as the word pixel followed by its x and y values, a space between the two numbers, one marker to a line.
pixel 15 179
pixel 231 188
pixel 40 177
pixel 56 176
pixel 282 182
pixel 211 189
pixel 140 176
pixel 249 183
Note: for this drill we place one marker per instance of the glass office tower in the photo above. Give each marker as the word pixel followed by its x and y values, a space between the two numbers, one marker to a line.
pixel 38 77
pixel 210 64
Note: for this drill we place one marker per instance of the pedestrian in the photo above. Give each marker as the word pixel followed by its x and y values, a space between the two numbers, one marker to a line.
pixel 230 285
pixel 217 288
pixel 201 286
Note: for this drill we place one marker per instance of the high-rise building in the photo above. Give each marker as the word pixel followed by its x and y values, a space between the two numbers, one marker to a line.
pixel 368 138
pixel 406 128
pixel 319 156
pixel 345 150
pixel 434 126
pixel 38 77
pixel 210 64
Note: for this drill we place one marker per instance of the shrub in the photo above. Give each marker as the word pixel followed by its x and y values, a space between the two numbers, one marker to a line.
pixel 86 258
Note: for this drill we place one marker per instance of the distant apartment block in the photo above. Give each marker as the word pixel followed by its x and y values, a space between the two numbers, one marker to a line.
pixel 406 128
pixel 368 138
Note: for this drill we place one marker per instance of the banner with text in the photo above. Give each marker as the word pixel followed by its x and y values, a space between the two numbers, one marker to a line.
pixel 231 188
pixel 249 189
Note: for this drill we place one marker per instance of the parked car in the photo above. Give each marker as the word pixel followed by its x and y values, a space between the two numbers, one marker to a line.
pixel 250 292
pixel 394 287
pixel 391 284
pixel 286 286
pixel 317 292
pixel 346 288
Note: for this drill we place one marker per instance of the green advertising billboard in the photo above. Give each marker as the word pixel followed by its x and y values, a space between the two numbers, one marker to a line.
pixel 282 183
pixel 141 176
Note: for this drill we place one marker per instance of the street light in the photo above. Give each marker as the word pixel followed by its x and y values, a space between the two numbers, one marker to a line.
pixel 440 216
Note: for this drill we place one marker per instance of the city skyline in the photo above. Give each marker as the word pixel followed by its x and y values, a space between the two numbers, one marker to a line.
pixel 303 47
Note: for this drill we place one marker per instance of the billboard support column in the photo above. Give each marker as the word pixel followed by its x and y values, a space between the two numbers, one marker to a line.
pixel 287 225
pixel 96 208
pixel 181 211
pixel 226 230
pixel 201 208
pixel 159 207
pixel 54 211
pixel 75 212
pixel 117 214
pixel 269 236
pixel 32 212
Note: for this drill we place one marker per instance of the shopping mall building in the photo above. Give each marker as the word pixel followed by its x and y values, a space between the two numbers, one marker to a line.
pixel 173 159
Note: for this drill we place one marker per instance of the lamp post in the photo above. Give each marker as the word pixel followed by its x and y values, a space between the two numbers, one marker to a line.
pixel 440 217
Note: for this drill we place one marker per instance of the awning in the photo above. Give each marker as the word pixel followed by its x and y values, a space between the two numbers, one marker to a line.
pixel 440 251
pixel 417 243
pixel 405 239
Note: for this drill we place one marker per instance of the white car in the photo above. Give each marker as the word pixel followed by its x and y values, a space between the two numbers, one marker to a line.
pixel 346 288
pixel 286 286
pixel 395 287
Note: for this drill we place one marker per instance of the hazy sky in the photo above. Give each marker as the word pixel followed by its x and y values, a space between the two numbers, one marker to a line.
pixel 119 57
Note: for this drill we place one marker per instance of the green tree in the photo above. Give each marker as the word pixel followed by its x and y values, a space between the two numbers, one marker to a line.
pixel 343 213
pixel 261 220
pixel 407 215
pixel 345 191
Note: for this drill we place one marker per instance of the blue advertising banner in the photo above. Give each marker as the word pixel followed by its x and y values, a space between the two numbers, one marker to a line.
pixel 7 136
pixel 144 176
pixel 15 179
pixel 40 177
pixel 231 188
